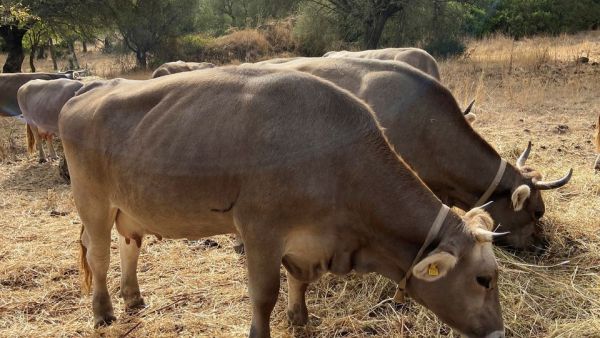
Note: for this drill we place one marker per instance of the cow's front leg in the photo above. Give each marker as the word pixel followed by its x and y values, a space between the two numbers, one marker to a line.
pixel 297 311
pixel 130 289
pixel 264 261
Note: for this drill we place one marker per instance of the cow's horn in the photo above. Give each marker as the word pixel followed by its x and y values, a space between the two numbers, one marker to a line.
pixel 469 107
pixel 484 206
pixel 483 235
pixel 523 158
pixel 545 185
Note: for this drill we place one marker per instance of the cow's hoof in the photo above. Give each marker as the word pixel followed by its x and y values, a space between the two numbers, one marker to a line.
pixel 239 249
pixel 104 321
pixel 134 305
pixel 298 316
pixel 42 160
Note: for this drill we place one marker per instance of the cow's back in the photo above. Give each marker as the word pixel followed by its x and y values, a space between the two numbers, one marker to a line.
pixel 415 57
pixel 211 137
pixel 41 101
pixel 180 67
pixel 10 84
pixel 409 104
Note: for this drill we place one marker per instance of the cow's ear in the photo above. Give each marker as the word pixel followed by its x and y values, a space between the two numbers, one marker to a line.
pixel 434 266
pixel 519 196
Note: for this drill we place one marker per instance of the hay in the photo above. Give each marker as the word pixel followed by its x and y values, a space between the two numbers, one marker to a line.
pixel 193 289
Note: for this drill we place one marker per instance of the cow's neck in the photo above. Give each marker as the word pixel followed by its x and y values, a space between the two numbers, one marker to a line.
pixel 398 211
pixel 466 164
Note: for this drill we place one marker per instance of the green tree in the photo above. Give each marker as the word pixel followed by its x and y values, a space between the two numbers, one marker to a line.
pixel 148 25
pixel 15 21
pixel 367 17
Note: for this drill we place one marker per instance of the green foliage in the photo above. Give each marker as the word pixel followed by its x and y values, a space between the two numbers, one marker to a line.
pixel 314 31
pixel 149 26
pixel 520 18
pixel 163 30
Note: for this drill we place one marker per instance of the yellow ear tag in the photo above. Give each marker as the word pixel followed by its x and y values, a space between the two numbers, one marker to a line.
pixel 433 270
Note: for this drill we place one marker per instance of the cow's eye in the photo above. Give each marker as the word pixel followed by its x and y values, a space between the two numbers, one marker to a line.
pixel 484 281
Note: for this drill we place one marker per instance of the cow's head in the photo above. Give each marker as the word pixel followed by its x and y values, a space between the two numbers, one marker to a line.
pixel 458 280
pixel 518 208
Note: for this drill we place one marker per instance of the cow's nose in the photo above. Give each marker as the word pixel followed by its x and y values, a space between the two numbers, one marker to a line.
pixel 496 334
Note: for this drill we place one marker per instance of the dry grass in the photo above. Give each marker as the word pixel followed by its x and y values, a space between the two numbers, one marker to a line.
pixel 196 291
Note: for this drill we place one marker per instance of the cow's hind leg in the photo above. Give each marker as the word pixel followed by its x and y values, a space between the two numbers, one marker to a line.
pixel 238 247
pixel 263 280
pixel 129 251
pixel 297 311
pixel 98 219
pixel 38 144
pixel 51 147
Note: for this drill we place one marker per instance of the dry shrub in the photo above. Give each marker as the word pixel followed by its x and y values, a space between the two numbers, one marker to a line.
pixel 247 45
pixel 279 34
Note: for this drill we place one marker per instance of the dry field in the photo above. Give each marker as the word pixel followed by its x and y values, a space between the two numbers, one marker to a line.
pixel 529 90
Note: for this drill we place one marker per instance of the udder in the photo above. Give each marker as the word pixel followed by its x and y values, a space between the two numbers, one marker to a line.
pixel 308 254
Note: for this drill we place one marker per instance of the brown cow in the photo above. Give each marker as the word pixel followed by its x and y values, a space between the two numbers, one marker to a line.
pixel 40 102
pixel 415 57
pixel 297 166
pixel 423 122
pixel 9 85
pixel 179 66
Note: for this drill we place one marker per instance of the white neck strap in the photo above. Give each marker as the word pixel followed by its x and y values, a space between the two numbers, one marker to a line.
pixel 433 231
pixel 490 190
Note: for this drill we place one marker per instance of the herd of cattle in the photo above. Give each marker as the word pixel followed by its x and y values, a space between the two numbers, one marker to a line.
pixel 342 163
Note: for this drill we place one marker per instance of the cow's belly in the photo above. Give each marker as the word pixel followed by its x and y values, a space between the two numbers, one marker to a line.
pixel 174 208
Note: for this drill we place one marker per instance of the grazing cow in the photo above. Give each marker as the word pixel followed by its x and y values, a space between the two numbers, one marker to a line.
pixel 415 57
pixel 179 66
pixel 597 139
pixel 9 85
pixel 424 124
pixel 40 102
pixel 297 166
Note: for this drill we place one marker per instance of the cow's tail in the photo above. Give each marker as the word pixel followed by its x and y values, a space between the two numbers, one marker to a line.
pixel 30 139
pixel 84 267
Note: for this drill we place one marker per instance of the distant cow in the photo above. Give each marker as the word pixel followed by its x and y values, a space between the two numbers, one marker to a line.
pixel 297 166
pixel 180 66
pixel 40 102
pixel 9 106
pixel 415 57
pixel 597 139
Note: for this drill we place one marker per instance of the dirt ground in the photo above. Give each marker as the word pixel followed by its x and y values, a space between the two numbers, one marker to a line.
pixel 527 90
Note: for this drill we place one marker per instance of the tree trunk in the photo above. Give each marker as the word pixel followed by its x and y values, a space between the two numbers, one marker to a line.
pixel 41 52
pixel 373 29
pixel 436 25
pixel 84 46
pixel 140 58
pixel 52 54
pixel 107 45
pixel 73 63
pixel 31 58
pixel 13 36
